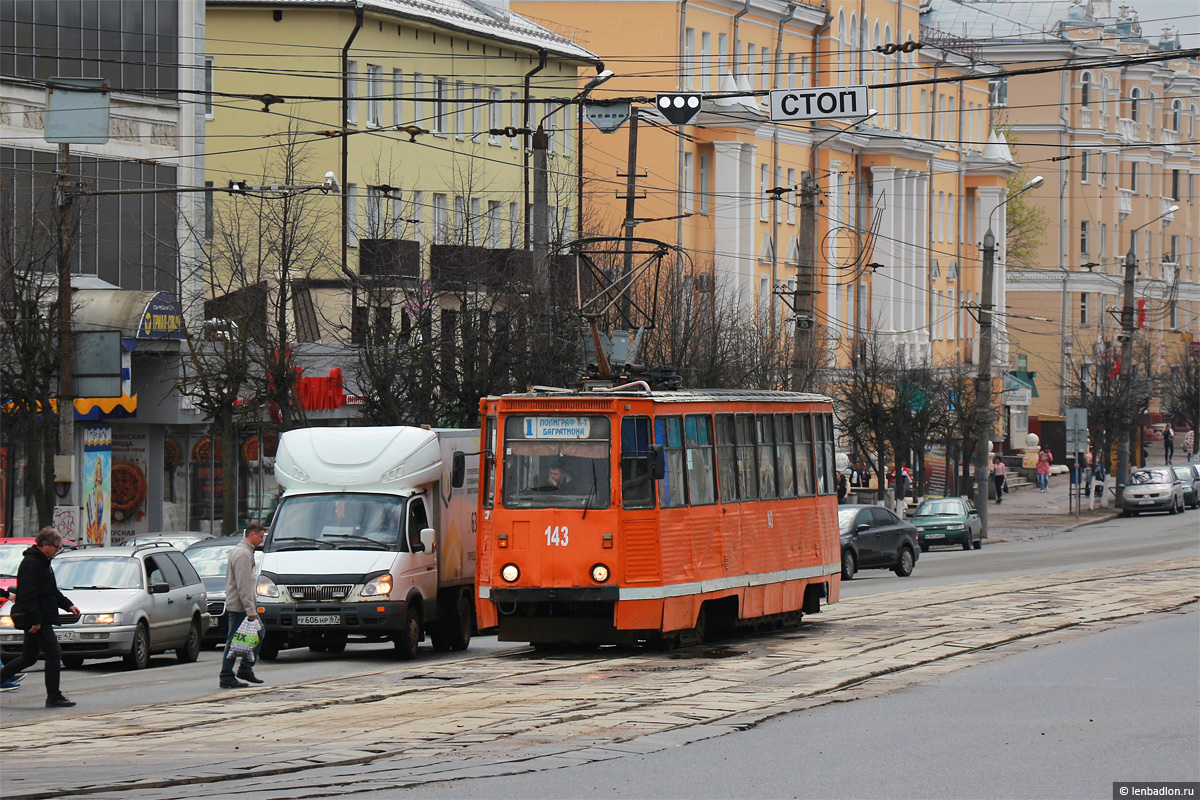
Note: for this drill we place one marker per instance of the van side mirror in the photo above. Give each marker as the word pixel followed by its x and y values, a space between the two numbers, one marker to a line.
pixel 658 461
pixel 428 543
pixel 160 588
pixel 458 469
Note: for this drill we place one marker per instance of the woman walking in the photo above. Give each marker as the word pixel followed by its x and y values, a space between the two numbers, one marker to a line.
pixel 999 471
pixel 1045 458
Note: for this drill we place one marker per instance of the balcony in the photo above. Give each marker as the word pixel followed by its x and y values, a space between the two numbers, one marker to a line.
pixel 1124 204
pixel 384 258
pixel 1085 118
pixel 1169 139
pixel 1168 218
pixel 1129 130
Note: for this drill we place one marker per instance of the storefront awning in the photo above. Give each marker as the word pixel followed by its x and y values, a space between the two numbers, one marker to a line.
pixel 137 315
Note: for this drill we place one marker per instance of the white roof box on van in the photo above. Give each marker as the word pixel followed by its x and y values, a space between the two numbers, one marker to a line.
pixel 391 459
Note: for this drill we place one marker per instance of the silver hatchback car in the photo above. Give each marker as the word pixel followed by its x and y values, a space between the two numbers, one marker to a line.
pixel 1156 489
pixel 135 601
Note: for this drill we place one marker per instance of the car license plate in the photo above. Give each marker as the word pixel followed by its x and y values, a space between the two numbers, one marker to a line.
pixel 1145 502
pixel 65 636
pixel 935 536
pixel 319 619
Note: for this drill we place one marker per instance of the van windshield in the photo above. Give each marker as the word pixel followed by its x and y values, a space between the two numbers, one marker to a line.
pixel 337 522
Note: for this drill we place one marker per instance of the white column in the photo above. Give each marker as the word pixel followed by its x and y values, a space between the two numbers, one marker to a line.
pixel 921 262
pixel 883 284
pixel 733 231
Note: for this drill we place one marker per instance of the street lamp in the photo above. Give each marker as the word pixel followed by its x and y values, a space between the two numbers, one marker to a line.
pixel 540 141
pixel 1126 340
pixel 983 382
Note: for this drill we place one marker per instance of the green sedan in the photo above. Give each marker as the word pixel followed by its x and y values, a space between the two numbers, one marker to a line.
pixel 948 520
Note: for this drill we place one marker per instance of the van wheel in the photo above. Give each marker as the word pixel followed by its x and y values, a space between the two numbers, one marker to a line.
pixel 269 650
pixel 408 640
pixel 459 625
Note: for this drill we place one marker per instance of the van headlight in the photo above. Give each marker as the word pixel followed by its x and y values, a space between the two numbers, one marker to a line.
pixel 377 586
pixel 6 622
pixel 510 573
pixel 101 619
pixel 266 587
pixel 599 573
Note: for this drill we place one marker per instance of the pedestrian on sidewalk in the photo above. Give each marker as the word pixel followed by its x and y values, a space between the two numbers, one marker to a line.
pixel 843 488
pixel 1169 442
pixel 1045 459
pixel 15 681
pixel 239 604
pixel 1098 477
pixel 999 472
pixel 36 611
pixel 1189 444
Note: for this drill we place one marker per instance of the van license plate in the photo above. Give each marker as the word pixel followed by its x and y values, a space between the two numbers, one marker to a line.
pixel 65 636
pixel 319 619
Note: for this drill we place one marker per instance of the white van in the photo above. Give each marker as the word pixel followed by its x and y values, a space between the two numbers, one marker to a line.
pixel 370 540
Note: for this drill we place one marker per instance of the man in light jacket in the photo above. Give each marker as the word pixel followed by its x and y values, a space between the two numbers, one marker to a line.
pixel 240 605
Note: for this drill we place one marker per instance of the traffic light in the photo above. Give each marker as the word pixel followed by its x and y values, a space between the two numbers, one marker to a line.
pixel 678 107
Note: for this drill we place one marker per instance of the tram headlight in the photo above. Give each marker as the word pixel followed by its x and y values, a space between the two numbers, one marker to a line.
pixel 510 573
pixel 599 573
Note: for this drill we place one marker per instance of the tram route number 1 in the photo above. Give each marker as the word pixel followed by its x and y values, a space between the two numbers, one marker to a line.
pixel 556 535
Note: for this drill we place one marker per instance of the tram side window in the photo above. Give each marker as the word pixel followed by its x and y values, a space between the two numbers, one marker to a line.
pixel 830 458
pixel 726 459
pixel 765 433
pixel 668 431
pixel 637 483
pixel 804 455
pixel 488 489
pixel 785 455
pixel 819 446
pixel 700 473
pixel 746 461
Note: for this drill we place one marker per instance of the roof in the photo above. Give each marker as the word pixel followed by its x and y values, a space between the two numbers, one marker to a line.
pixel 488 20
pixel 679 396
pixel 1015 22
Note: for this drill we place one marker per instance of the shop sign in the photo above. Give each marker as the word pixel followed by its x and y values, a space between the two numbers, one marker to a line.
pixel 324 393
pixel 161 319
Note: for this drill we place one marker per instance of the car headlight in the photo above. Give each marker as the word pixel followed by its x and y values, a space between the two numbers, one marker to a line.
pixel 955 526
pixel 101 619
pixel 599 573
pixel 920 529
pixel 6 622
pixel 266 587
pixel 510 573
pixel 379 585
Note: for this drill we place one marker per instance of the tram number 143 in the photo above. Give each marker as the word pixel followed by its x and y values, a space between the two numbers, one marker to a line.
pixel 556 535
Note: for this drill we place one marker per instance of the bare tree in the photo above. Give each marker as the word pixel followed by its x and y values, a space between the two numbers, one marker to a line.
pixel 29 365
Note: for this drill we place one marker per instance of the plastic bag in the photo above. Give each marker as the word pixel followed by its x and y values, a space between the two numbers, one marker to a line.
pixel 245 639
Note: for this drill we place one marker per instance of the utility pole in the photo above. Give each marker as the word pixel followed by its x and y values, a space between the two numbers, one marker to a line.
pixel 540 240
pixel 66 373
pixel 983 381
pixel 1126 339
pixel 630 206
pixel 802 345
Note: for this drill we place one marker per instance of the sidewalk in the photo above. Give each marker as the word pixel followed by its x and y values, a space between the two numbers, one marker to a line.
pixel 1028 513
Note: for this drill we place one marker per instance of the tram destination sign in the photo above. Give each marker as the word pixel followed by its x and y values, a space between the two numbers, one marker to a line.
pixel 557 427
pixel 835 102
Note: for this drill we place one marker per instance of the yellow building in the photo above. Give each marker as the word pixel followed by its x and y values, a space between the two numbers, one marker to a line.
pixel 1116 143
pixel 908 189
pixel 410 167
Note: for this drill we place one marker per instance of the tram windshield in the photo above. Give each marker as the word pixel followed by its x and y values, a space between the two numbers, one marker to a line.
pixel 556 462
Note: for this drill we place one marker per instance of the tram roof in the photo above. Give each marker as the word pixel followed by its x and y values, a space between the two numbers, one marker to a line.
pixel 676 396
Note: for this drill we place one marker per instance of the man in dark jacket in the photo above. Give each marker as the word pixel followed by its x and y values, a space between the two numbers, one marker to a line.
pixel 36 611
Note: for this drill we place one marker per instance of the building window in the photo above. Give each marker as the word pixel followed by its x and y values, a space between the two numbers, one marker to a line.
pixel 495 120
pixel 374 95
pixel 494 223
pixel 763 176
pixel 460 110
pixel 1135 101
pixel 418 115
pixel 1083 308
pixel 351 92
pixel 208 211
pixel 1133 177
pixel 689 59
pixel 351 215
pixel 440 221
pixel 703 185
pixel 706 82
pixel 397 93
pixel 1085 170
pixel 514 118
pixel 1084 239
pixel 689 181
pixel 374 213
pixel 791 206
pixel 208 87
pixel 441 91
pixel 1085 90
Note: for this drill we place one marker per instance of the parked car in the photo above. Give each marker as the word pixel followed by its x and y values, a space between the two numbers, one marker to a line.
pixel 948 520
pixel 1157 489
pixel 210 557
pixel 875 538
pixel 136 601
pixel 12 550
pixel 180 540
pixel 1189 476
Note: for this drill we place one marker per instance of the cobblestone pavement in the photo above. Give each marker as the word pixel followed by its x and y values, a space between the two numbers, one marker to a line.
pixel 488 715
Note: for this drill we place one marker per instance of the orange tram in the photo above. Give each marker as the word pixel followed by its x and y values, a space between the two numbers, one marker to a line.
pixel 625 516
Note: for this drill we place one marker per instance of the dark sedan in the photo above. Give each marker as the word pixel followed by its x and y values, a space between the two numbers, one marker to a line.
pixel 875 538
pixel 1189 476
